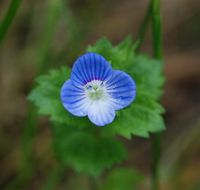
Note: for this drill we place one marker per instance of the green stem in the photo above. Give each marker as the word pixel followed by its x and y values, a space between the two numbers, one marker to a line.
pixel 10 14
pixel 143 28
pixel 156 29
pixel 156 153
pixel 51 19
pixel 158 54
pixel 27 167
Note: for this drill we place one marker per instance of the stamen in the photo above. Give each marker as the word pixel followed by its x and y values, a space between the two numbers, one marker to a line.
pixel 95 90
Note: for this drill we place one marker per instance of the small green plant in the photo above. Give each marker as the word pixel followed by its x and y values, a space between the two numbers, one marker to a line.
pixel 77 142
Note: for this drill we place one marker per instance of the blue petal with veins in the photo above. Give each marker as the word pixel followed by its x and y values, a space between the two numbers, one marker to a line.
pixel 96 90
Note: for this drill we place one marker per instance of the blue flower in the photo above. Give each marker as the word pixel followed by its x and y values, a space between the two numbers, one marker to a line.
pixel 97 91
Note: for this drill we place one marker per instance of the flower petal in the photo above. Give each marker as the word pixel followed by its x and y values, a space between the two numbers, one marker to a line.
pixel 101 112
pixel 121 88
pixel 73 99
pixel 88 67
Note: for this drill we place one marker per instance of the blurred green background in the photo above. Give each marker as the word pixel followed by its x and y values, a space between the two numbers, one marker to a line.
pixel 50 33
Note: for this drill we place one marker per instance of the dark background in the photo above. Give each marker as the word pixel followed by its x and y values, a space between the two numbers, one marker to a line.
pixel 50 33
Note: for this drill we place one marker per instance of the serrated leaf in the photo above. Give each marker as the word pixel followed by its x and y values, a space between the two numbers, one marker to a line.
pixel 46 96
pixel 145 71
pixel 85 152
pixel 122 179
pixel 148 74
pixel 144 115
pixel 119 56
pixel 141 118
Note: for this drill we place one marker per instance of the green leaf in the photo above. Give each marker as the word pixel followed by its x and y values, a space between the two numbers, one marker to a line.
pixel 86 153
pixel 122 179
pixel 144 115
pixel 119 56
pixel 148 74
pixel 46 96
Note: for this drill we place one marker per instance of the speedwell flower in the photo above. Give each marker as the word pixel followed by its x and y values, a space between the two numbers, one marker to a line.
pixel 97 91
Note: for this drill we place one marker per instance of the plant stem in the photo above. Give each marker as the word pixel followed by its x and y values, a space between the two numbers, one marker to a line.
pixel 156 153
pixel 10 14
pixel 158 54
pixel 156 29
pixel 143 28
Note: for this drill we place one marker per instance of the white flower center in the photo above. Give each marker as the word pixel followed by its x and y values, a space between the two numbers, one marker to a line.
pixel 96 90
